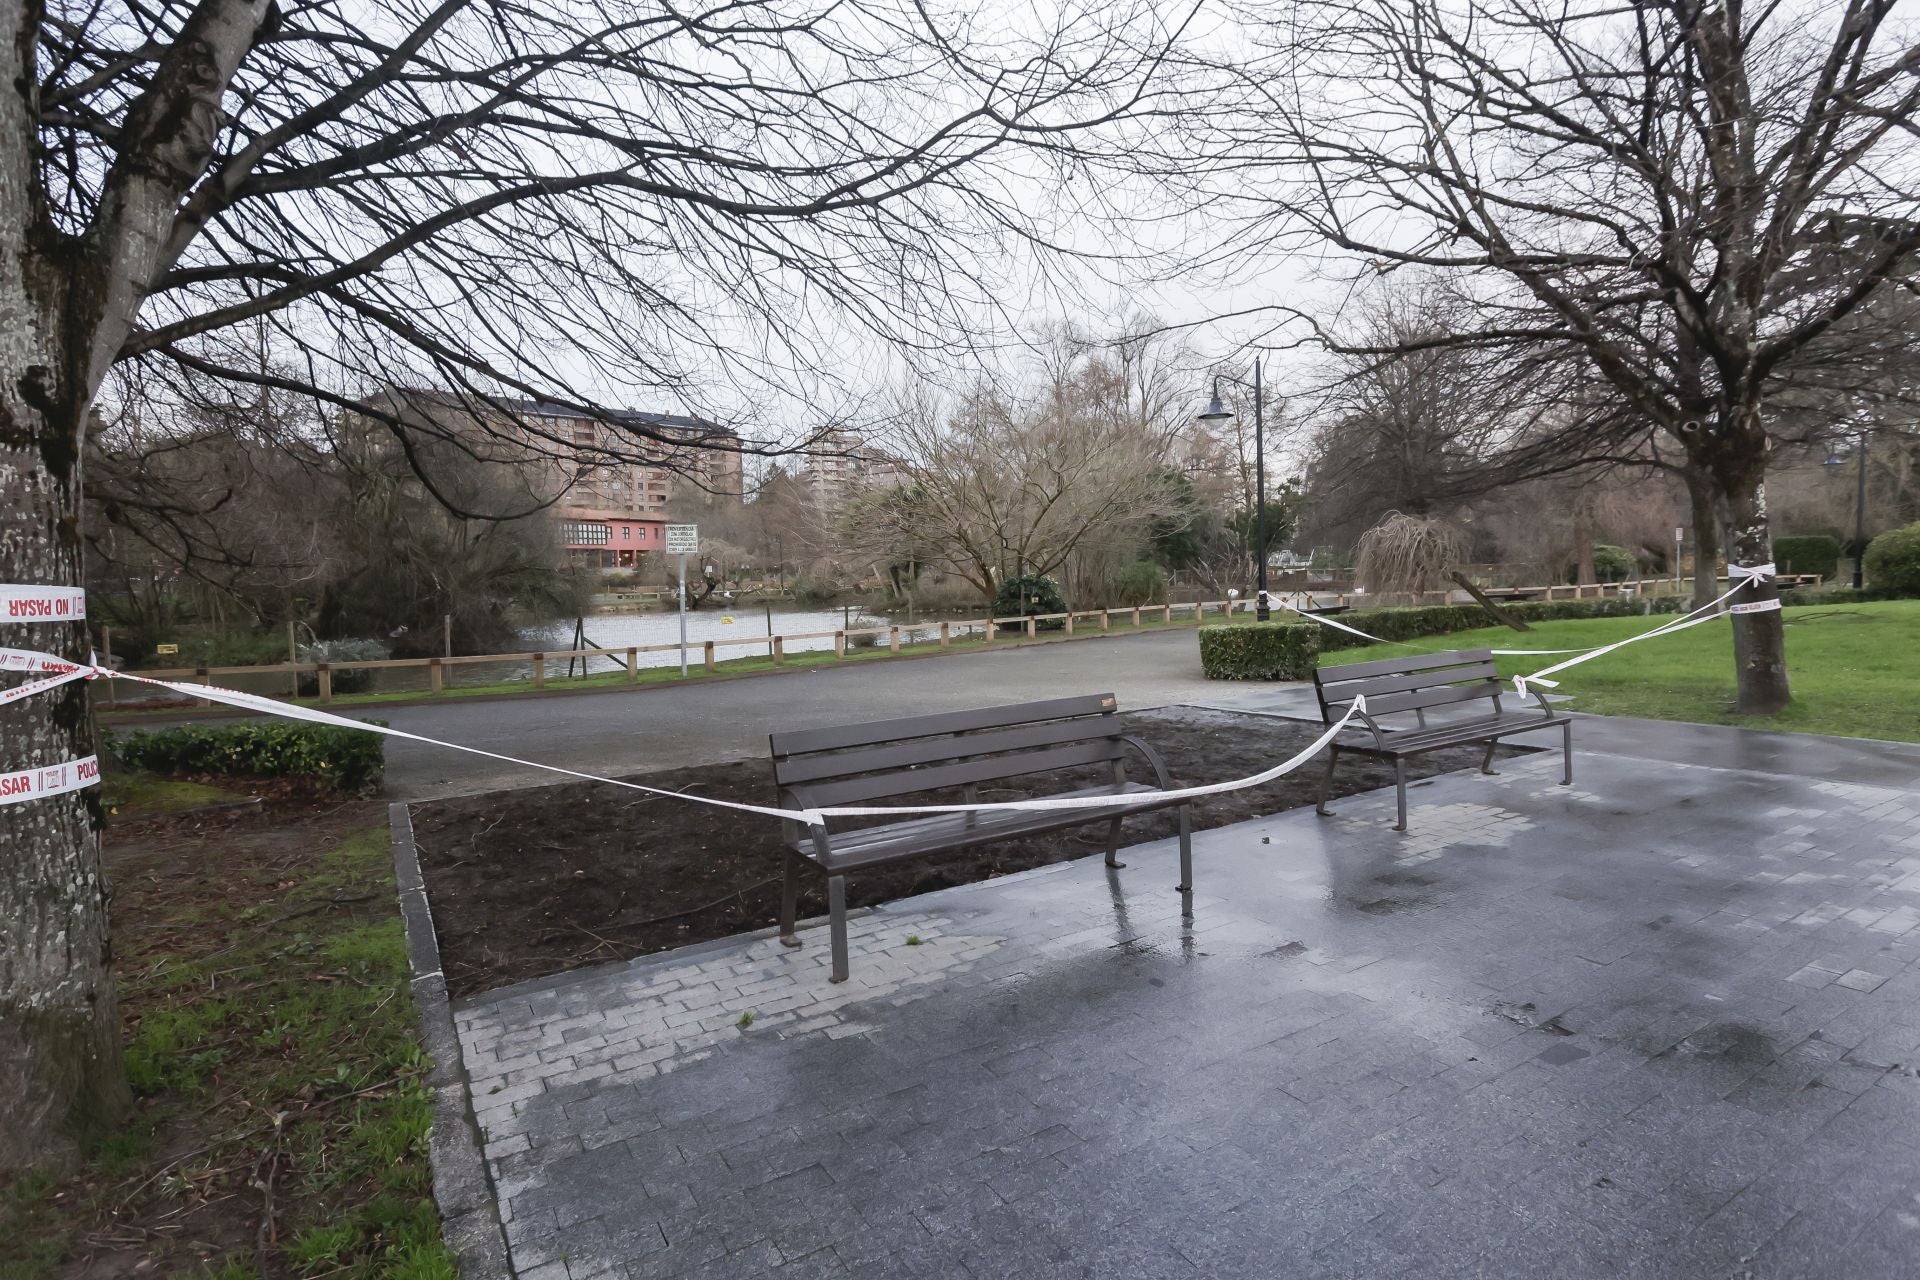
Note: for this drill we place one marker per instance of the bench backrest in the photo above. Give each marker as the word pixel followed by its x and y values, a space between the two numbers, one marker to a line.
pixel 1413 683
pixel 849 764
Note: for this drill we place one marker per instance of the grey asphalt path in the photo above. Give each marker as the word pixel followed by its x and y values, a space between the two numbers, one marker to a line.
pixel 664 727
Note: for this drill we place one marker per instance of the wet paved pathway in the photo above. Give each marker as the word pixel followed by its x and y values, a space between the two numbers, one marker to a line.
pixel 1663 1023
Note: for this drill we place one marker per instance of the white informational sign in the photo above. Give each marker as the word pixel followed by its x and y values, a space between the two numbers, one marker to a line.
pixel 683 539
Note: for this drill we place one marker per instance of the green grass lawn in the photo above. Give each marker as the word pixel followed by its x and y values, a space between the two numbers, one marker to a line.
pixel 1855 668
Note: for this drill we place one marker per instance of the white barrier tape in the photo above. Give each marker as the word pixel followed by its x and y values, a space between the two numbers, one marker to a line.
pixel 42 604
pixel 41 686
pixel 1758 606
pixel 29 660
pixel 1099 802
pixel 1691 619
pixel 811 817
pixel 52 780
pixel 1757 571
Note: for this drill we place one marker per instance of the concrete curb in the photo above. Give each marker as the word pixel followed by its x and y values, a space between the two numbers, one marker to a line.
pixel 469 1210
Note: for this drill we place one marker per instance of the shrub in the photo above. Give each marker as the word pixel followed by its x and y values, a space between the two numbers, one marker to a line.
pixel 1612 564
pixel 1893 561
pixel 1261 650
pixel 341 651
pixel 1814 553
pixel 1035 593
pixel 1142 582
pixel 1433 620
pixel 331 756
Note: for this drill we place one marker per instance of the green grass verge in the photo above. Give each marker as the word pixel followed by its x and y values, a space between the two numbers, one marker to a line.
pixel 142 795
pixel 1855 669
pixel 271 1036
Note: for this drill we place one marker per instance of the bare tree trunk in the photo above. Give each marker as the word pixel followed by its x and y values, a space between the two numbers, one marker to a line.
pixel 1759 639
pixel 61 1080
pixel 1706 535
pixel 1583 574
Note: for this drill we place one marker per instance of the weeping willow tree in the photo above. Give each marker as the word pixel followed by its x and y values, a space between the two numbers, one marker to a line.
pixel 1405 555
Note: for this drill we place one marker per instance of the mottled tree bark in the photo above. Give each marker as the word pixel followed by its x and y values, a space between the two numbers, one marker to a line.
pixel 67 302
pixel 1706 534
pixel 60 1073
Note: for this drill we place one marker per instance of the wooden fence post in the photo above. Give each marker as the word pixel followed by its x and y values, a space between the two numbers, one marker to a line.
pixel 1136 618
pixel 204 679
pixel 1169 617
pixel 539 670
pixel 324 673
pixel 436 680
pixel 1032 628
pixel 779 651
pixel 633 664
pixel 893 639
pixel 839 644
pixel 1106 619
pixel 946 635
pixel 1069 622
pixel 707 656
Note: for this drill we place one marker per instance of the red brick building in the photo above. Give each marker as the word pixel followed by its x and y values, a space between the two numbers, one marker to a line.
pixel 610 539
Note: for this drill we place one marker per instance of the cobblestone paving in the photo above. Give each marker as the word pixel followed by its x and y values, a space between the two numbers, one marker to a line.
pixel 1664 1023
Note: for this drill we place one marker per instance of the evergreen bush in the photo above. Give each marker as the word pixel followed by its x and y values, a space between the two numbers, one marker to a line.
pixel 1261 650
pixel 1024 597
pixel 1142 582
pixel 334 757
pixel 1243 658
pixel 1813 553
pixel 1893 561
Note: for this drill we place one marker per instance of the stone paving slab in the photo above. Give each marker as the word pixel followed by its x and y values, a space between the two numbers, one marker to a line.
pixel 1662 1023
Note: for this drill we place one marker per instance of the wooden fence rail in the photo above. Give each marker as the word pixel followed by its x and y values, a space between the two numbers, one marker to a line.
pixel 945 632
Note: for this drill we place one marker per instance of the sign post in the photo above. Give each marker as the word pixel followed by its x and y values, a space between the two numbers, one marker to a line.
pixel 683 540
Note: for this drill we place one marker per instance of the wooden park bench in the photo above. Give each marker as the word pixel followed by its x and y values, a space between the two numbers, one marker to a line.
pixel 1419 683
pixel 886 761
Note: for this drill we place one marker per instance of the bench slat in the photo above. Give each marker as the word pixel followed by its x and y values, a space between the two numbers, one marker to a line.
pixel 906 782
pixel 875 732
pixel 1411 742
pixel 1421 699
pixel 840 764
pixel 943 832
pixel 1373 686
pixel 1395 666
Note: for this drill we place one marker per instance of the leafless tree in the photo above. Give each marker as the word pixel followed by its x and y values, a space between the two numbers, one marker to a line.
pixel 1637 193
pixel 571 200
pixel 1010 483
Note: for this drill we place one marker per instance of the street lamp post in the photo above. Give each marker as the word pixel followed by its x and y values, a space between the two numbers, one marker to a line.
pixel 1859 510
pixel 1217 412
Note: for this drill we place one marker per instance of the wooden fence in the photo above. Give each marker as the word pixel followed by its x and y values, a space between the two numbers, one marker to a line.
pixel 707 652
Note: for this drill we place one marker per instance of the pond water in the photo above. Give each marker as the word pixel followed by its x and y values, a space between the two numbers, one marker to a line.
pixel 612 631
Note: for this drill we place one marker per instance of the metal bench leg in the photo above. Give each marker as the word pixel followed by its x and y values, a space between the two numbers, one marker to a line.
pixel 1400 790
pixel 837 908
pixel 1113 844
pixel 1186 849
pixel 1486 761
pixel 790 899
pixel 1326 783
pixel 1566 738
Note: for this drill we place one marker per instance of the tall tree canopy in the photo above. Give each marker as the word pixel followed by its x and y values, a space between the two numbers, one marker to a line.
pixel 1634 194
pixel 575 200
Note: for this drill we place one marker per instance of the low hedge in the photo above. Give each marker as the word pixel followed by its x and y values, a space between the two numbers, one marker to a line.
pixel 1261 650
pixel 1290 650
pixel 1808 553
pixel 341 759
pixel 1893 561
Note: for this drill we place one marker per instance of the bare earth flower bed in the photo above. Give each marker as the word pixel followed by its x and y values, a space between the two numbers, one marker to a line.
pixel 531 882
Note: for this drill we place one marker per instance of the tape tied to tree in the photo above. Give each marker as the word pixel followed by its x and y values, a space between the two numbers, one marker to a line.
pixel 49 780
pixel 42 604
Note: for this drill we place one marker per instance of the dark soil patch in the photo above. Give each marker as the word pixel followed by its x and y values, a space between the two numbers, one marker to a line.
pixel 539 880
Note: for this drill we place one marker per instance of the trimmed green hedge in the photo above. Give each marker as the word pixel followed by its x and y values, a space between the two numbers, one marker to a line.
pixel 1812 553
pixel 1261 650
pixel 343 759
pixel 1893 561
pixel 1290 650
